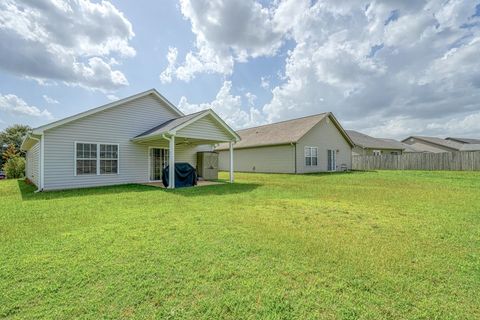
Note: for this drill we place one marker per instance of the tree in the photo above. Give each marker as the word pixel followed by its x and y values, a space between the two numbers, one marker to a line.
pixel 10 152
pixel 13 135
pixel 15 167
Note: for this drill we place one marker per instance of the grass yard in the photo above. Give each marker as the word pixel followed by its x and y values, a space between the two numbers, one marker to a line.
pixel 373 245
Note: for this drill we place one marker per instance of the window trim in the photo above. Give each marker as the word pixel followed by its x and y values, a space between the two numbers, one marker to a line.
pixel 311 157
pixel 376 152
pixel 97 159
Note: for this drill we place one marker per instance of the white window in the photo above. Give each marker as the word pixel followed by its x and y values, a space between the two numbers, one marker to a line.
pixel 377 152
pixel 311 156
pixel 86 160
pixel 96 158
pixel 108 158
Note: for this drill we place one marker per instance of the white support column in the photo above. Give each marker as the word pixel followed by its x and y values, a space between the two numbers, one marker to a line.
pixel 231 161
pixel 171 163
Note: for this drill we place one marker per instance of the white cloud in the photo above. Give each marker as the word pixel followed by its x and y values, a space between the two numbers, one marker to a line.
pixel 49 100
pixel 389 67
pixel 74 42
pixel 383 75
pixel 14 105
pixel 228 106
pixel 250 98
pixel 265 83
pixel 112 97
pixel 231 30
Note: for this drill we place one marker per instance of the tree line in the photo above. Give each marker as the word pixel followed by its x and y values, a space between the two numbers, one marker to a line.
pixel 12 160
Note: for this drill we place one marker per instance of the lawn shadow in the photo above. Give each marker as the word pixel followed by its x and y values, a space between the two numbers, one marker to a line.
pixel 27 191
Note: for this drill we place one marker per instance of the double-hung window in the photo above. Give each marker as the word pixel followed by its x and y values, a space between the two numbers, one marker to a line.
pixel 96 158
pixel 311 156
pixel 108 158
pixel 86 161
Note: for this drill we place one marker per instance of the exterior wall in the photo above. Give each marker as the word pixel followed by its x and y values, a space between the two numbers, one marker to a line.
pixel 427 147
pixel 359 151
pixel 117 126
pixel 324 136
pixel 205 128
pixel 277 159
pixel 32 164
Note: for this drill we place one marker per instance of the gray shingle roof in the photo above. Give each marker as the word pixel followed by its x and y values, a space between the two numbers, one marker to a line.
pixel 439 141
pixel 170 124
pixel 366 141
pixel 464 140
pixel 278 133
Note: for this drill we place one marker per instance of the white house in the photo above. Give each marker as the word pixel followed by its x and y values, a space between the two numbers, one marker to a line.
pixel 127 141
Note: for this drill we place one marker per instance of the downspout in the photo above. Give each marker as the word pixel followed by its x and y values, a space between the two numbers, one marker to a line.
pixel 295 155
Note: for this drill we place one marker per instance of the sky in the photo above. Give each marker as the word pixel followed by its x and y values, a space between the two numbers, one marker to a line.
pixel 390 68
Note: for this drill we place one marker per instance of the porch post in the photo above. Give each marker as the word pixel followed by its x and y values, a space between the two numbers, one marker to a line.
pixel 231 161
pixel 171 163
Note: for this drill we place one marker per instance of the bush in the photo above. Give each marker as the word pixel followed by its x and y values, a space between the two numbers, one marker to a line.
pixel 14 167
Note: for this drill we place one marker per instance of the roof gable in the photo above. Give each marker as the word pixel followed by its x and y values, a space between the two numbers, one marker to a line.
pixel 452 145
pixel 284 132
pixel 366 141
pixel 108 106
pixel 205 124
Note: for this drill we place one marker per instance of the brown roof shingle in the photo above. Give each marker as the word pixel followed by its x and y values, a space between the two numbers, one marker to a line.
pixel 284 132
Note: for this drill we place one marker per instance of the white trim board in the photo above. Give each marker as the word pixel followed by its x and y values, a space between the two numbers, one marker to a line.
pixel 153 92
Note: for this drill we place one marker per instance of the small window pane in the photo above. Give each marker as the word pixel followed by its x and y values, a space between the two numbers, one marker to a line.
pixel 314 161
pixel 307 152
pixel 86 167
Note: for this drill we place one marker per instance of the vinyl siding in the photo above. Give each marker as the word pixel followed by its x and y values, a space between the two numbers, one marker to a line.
pixel 369 151
pixel 276 159
pixel 32 164
pixel 205 128
pixel 117 126
pixel 324 136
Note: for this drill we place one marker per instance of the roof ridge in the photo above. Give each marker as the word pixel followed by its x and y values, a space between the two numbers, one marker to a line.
pixel 270 124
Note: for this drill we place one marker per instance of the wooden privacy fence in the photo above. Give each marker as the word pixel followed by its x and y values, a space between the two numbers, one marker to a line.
pixel 419 161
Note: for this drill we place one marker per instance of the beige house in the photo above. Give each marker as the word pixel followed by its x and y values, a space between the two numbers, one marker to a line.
pixel 310 144
pixel 126 141
pixel 438 145
pixel 366 145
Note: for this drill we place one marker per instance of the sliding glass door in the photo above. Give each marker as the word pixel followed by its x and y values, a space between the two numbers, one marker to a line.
pixel 158 161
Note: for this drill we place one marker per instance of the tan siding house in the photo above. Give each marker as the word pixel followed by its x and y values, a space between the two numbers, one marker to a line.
pixel 366 145
pixel 316 143
pixel 128 141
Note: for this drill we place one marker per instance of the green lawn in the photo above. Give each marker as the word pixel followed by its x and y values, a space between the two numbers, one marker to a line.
pixel 390 245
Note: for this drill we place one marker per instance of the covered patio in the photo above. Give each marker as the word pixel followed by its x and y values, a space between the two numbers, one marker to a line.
pixel 188 135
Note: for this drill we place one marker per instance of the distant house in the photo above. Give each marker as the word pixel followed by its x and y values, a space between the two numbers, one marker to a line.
pixel 438 145
pixel 366 145
pixel 464 140
pixel 310 144
pixel 127 141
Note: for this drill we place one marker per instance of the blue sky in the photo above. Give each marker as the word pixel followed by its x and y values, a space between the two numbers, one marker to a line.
pixel 387 68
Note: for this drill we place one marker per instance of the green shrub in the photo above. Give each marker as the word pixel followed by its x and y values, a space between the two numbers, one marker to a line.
pixel 14 167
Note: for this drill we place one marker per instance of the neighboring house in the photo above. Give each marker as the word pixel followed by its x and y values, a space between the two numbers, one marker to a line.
pixel 438 145
pixel 464 140
pixel 366 145
pixel 127 141
pixel 309 144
